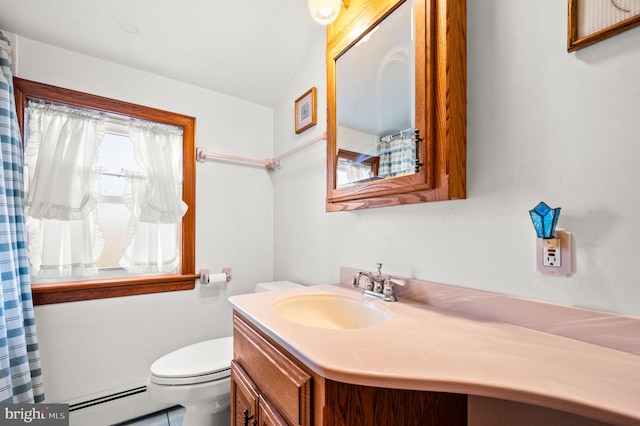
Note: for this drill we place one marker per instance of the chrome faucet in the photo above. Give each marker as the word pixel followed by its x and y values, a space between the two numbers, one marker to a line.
pixel 378 285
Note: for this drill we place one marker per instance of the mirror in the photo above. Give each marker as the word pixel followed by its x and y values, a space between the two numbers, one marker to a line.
pixel 356 167
pixel 396 103
pixel 375 102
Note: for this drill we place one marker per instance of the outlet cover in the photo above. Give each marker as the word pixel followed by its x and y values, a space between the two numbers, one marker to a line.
pixel 565 253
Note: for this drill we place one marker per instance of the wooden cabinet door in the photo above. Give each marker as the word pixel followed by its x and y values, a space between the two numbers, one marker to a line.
pixel 268 415
pixel 244 398
pixel 278 378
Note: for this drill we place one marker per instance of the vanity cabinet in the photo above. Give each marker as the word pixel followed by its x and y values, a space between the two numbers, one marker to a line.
pixel 244 397
pixel 269 386
pixel 249 407
pixel 265 382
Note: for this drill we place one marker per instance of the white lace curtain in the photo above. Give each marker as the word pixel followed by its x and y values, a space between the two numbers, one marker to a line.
pixel 155 201
pixel 65 236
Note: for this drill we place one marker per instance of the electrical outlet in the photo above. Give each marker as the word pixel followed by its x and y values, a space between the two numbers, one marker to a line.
pixel 552 252
pixel 553 255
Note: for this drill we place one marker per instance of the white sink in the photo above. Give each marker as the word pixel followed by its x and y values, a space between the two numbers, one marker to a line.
pixel 331 311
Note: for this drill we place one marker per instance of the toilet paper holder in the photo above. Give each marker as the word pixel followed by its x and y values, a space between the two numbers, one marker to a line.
pixel 206 277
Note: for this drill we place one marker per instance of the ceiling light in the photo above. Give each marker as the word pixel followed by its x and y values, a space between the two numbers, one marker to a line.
pixel 325 11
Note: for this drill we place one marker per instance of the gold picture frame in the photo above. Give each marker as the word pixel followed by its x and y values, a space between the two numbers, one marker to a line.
pixel 305 107
pixel 591 21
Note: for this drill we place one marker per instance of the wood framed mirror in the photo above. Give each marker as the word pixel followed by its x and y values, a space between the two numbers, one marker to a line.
pixel 396 91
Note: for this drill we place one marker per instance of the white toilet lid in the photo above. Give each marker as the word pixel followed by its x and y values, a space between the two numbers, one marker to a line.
pixel 195 363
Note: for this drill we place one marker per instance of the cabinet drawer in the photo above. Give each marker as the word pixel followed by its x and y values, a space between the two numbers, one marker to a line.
pixel 278 378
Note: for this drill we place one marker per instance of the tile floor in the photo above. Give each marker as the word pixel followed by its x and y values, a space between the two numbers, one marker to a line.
pixel 170 417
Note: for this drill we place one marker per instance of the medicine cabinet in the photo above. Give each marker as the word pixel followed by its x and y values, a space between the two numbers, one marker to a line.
pixel 396 98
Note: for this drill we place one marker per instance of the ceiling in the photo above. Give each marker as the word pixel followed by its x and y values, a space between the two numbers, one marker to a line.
pixel 247 49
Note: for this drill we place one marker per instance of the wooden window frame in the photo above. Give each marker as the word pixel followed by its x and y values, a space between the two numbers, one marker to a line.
pixel 71 291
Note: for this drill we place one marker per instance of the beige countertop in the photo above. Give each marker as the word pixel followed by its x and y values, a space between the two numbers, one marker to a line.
pixel 427 348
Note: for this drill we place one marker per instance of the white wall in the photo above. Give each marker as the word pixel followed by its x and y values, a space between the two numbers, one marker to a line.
pixel 92 346
pixel 526 97
pixel 543 125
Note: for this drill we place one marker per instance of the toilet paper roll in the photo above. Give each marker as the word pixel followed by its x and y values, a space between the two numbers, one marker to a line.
pixel 220 278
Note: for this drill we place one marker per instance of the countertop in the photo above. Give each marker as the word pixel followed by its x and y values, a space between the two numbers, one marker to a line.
pixel 426 348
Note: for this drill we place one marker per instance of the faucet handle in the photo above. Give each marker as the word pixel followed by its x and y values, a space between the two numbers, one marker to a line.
pixel 391 281
pixel 389 294
pixel 379 266
pixel 368 284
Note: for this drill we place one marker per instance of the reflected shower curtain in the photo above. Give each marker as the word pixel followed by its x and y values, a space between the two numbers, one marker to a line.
pixel 397 154
pixel 20 374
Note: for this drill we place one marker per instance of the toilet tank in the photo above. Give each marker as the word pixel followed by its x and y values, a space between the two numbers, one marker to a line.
pixel 276 285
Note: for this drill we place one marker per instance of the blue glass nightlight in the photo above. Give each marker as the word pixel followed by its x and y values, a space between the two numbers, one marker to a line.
pixel 545 219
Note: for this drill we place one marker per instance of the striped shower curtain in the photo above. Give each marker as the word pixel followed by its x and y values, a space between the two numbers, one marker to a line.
pixel 20 374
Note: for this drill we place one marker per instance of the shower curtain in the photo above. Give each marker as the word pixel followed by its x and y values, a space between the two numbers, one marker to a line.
pixel 20 373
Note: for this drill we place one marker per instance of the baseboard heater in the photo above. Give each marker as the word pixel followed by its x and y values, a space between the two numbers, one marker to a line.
pixel 107 398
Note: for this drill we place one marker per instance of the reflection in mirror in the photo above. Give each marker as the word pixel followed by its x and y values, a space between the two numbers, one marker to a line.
pixel 356 167
pixel 375 101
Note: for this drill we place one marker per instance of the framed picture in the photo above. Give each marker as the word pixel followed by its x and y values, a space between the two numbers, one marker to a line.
pixel 305 107
pixel 593 20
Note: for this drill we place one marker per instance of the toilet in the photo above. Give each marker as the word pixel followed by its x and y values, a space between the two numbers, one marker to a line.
pixel 197 376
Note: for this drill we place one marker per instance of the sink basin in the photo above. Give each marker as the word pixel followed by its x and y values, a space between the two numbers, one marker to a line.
pixel 331 311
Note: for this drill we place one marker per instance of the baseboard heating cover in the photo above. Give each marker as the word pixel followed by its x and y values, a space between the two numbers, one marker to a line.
pixel 113 406
pixel 106 398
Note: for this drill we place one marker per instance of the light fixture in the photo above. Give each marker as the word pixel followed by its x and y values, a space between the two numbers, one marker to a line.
pixel 553 247
pixel 545 219
pixel 326 11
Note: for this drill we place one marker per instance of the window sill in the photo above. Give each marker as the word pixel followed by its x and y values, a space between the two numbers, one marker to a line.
pixel 45 294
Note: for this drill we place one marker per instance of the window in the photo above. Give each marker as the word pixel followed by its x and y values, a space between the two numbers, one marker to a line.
pixel 115 159
pixel 110 199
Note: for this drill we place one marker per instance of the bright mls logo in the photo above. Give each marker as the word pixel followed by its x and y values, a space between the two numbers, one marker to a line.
pixel 34 414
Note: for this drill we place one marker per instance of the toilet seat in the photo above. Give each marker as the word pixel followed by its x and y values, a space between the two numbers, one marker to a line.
pixel 198 363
